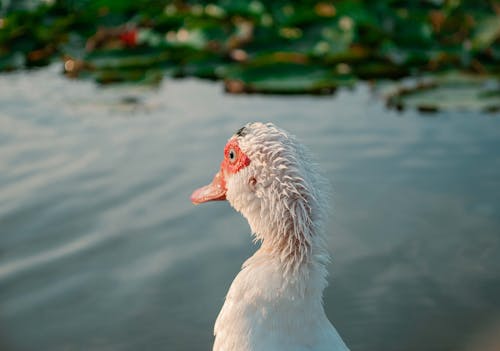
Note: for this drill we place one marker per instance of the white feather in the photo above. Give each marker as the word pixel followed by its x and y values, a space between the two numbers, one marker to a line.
pixel 275 302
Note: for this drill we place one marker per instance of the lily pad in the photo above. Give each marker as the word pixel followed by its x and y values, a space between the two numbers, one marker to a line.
pixel 487 31
pixel 124 59
pixel 284 78
pixel 146 77
pixel 11 62
pixel 446 93
pixel 204 66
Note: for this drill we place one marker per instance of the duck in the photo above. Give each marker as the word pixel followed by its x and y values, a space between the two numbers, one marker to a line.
pixel 275 302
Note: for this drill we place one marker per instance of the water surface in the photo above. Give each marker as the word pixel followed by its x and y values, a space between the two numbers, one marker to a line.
pixel 100 248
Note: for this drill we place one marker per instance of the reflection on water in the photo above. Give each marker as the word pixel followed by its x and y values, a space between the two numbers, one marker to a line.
pixel 100 248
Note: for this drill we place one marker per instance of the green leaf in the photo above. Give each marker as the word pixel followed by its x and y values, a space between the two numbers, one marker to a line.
pixel 486 32
pixel 284 78
pixel 121 59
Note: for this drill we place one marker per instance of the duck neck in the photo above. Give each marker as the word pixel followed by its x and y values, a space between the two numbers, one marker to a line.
pixel 300 260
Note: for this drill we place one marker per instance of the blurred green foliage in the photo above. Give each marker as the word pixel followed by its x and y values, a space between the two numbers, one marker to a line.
pixel 254 46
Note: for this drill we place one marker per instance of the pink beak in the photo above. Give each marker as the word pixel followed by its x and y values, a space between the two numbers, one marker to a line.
pixel 215 191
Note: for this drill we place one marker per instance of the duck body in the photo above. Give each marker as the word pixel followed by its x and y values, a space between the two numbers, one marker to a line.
pixel 275 302
pixel 265 312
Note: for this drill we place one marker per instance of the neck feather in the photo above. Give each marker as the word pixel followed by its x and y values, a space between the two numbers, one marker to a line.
pixel 298 266
pixel 295 251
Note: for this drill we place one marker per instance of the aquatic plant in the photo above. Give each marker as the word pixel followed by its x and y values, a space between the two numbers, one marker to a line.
pixel 286 47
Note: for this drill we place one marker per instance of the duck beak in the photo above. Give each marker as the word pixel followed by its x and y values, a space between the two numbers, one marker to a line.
pixel 215 191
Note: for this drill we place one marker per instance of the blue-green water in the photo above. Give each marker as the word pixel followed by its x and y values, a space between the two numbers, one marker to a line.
pixel 100 248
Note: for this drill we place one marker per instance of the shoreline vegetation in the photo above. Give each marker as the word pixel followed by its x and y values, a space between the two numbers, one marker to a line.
pixel 450 50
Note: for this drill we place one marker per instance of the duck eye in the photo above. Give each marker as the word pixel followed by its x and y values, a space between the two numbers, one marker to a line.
pixel 231 155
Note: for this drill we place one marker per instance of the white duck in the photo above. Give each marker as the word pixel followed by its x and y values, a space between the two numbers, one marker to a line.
pixel 275 302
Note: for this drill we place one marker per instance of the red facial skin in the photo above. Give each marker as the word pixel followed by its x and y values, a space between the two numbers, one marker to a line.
pixel 234 160
pixel 239 161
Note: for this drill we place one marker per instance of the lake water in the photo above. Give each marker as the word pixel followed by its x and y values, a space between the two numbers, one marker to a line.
pixel 100 248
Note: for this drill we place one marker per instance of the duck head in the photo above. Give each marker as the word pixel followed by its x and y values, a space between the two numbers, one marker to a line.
pixel 269 178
